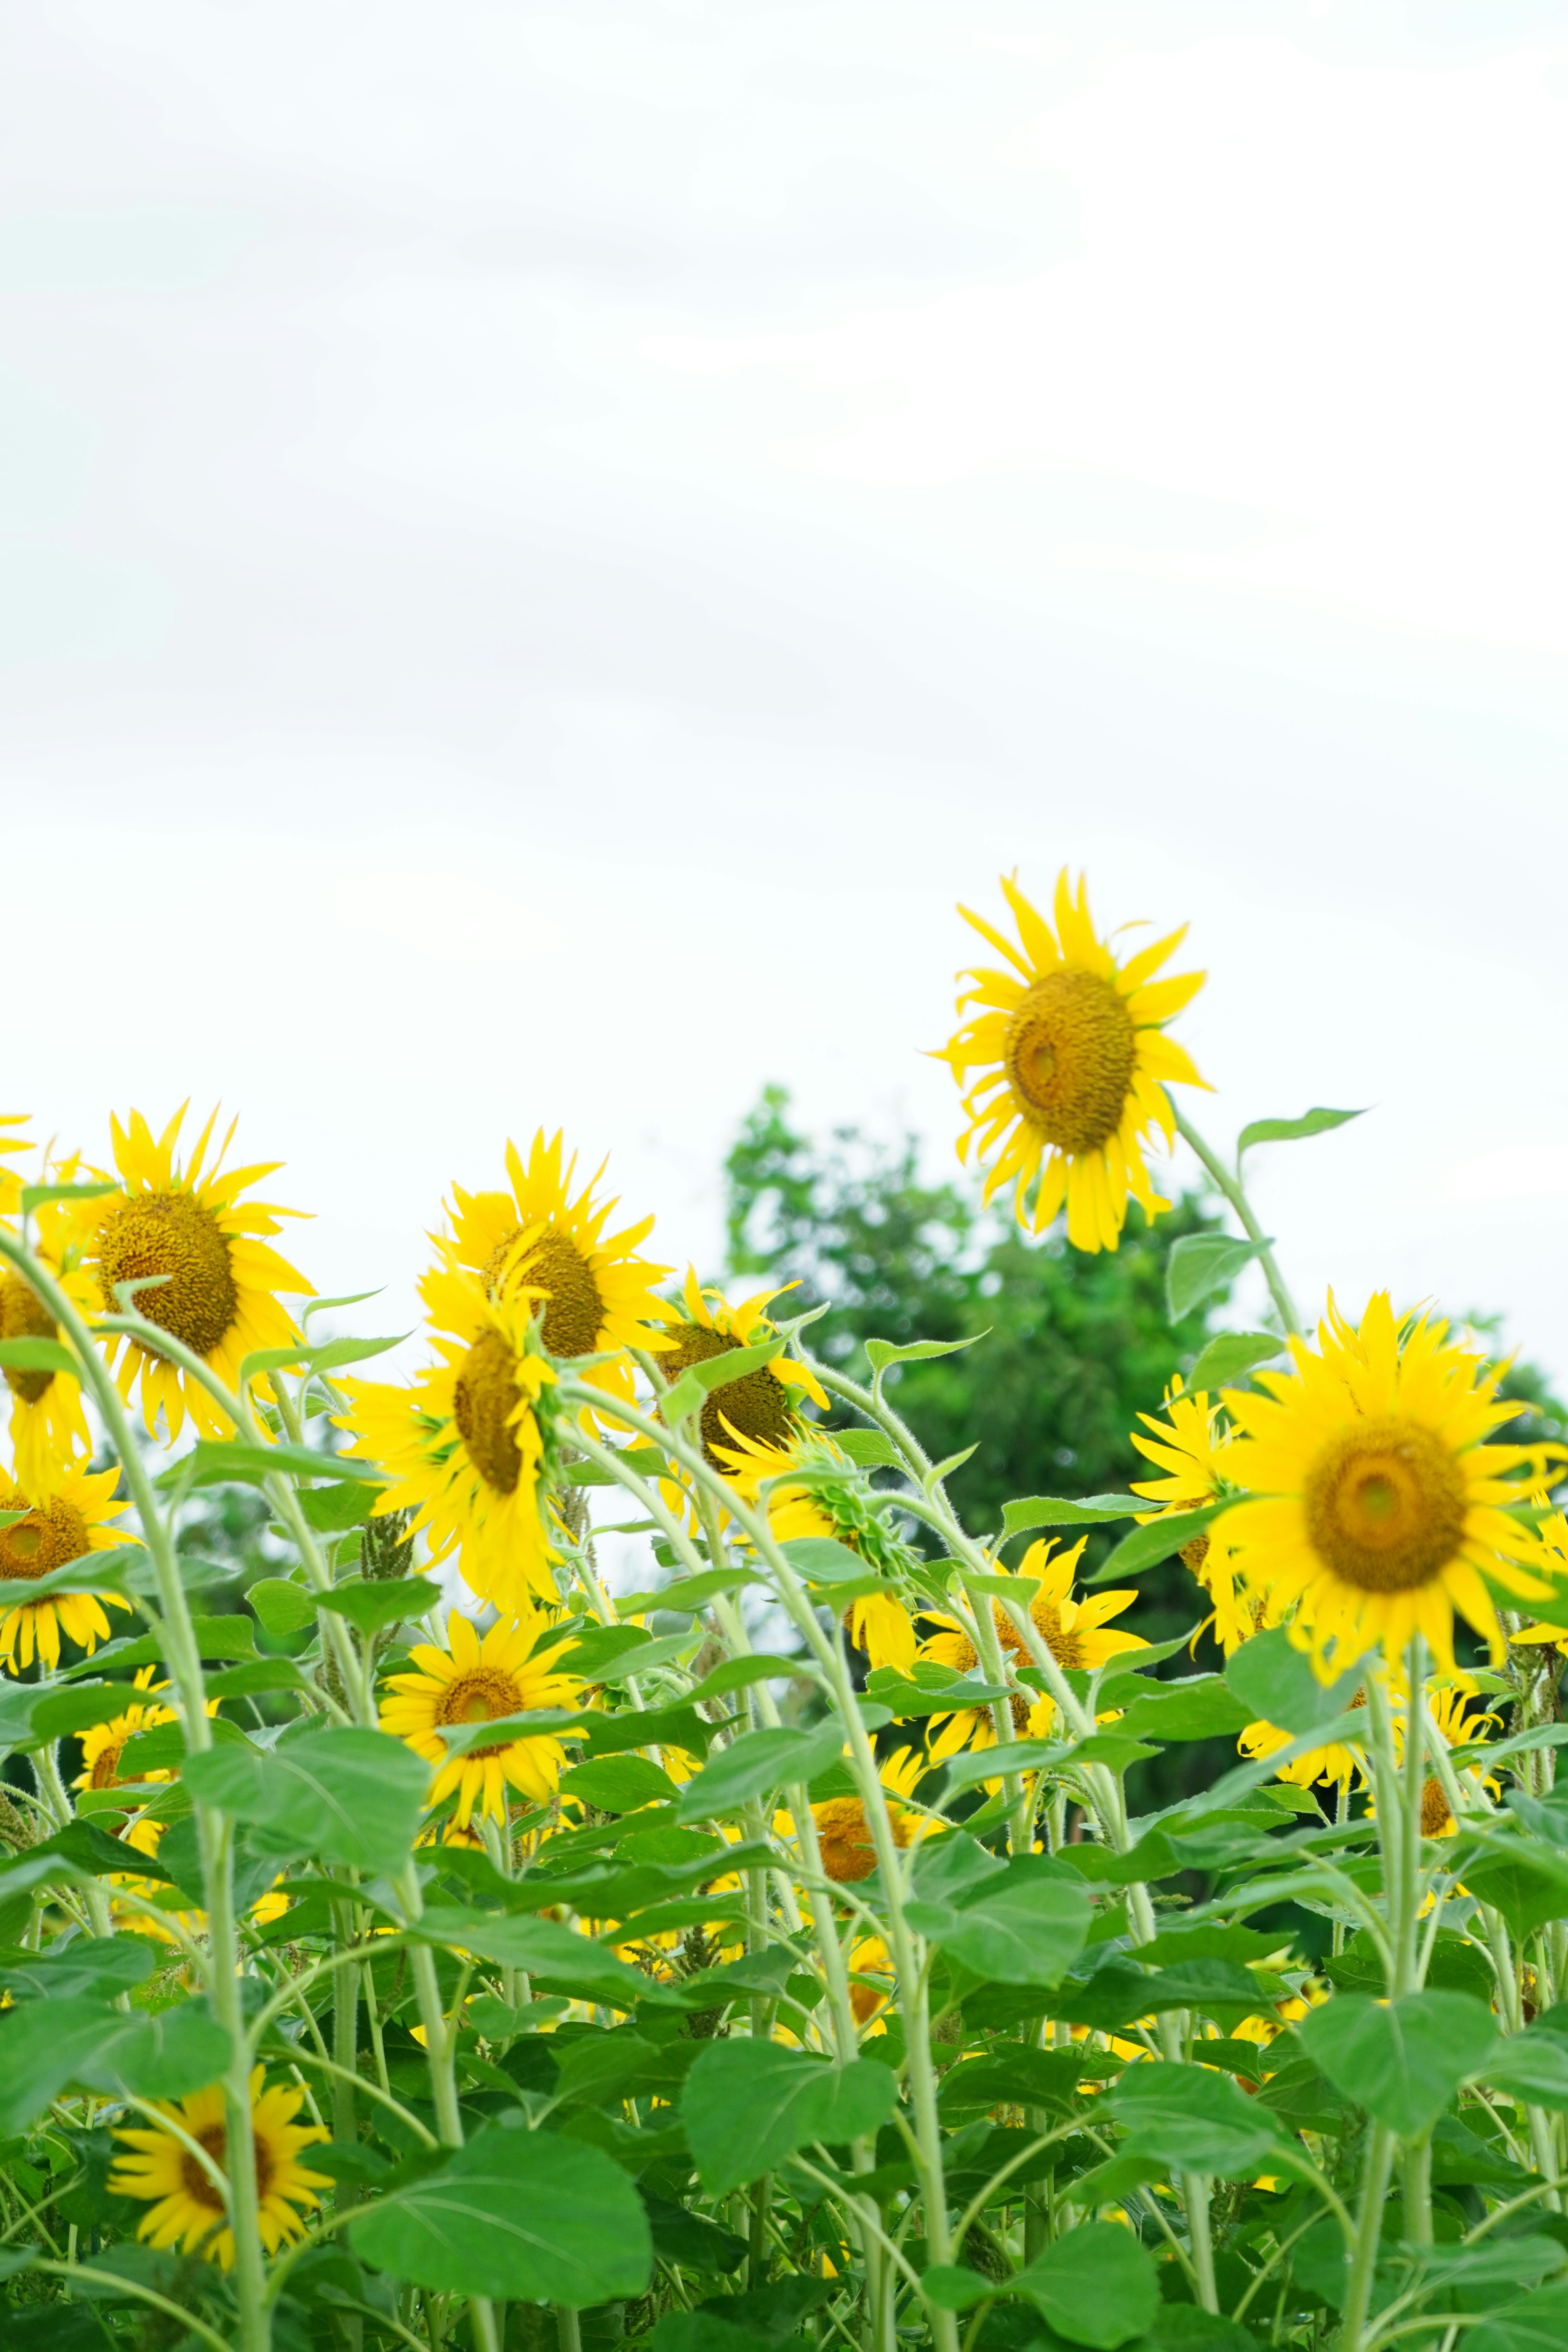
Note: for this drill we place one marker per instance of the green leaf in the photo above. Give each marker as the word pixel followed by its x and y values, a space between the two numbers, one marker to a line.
pixel 1023 1928
pixel 283 1606
pixel 1201 1707
pixel 1146 1547
pixel 755 1763
pixel 540 1722
pixel 38 1356
pixel 515 2214
pixel 326 1356
pixel 1015 2075
pixel 163 2056
pixel 92 1968
pixel 1200 1263
pixel 1275 1682
pixel 369 1605
pixel 548 1951
pixel 162 1747
pixel 1191 2119
pixel 869 1448
pixel 701 1381
pixel 229 1461
pixel 747 2105
pixel 951 2288
pixel 333 1510
pixel 260 1675
pixel 1527 1884
pixel 1532 2065
pixel 1229 1356
pixel 351 1795
pixel 688 1594
pixel 91 1572
pixel 696 2243
pixel 57 1714
pixel 36 2068
pixel 739 1674
pixel 619 1784
pixel 598 1647
pixel 1047 1511
pixel 822 1559
pixel 35 1196
pixel 1096 2287
pixel 82 1847
pixel 1291 1130
pixel 882 1352
pixel 1402 2062
pixel 215 1637
pixel 1537 2324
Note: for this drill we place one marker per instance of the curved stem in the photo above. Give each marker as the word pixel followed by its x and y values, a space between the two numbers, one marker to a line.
pixel 1231 1186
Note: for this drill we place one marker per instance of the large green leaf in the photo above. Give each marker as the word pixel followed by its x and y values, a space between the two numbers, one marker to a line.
pixel 756 1762
pixel 1404 2060
pixel 1200 1707
pixel 1230 1356
pixel 230 1461
pixel 882 1352
pixel 515 2214
pixel 348 1794
pixel 1534 2066
pixel 1046 1511
pixel 547 1950
pixel 619 1784
pixel 1528 1884
pixel 382 1601
pixel 90 1967
pixel 1275 1682
pixel 1023 1928
pixel 1191 2119
pixel 1147 1547
pixel 701 1381
pixel 215 1637
pixel 1095 2286
pixel 36 2068
pixel 747 2105
pixel 1538 2323
pixel 162 2056
pixel 1200 1263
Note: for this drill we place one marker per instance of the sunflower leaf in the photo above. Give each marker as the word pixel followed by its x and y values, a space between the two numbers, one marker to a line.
pixel 325 1357
pixel 1049 1511
pixel 1275 1681
pixel 35 1196
pixel 1200 1263
pixel 882 1352
pixel 747 2105
pixel 370 1605
pixel 351 1795
pixel 1230 1356
pixel 229 1461
pixel 701 1381
pixel 1292 1130
pixel 38 1356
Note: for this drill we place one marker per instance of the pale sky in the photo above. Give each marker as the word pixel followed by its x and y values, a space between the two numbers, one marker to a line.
pixel 542 550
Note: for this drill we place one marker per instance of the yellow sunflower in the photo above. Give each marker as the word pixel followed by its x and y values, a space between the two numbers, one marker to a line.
pixel 475 1680
pixel 596 1294
pixel 187 1222
pixel 48 1426
pixel 1375 1506
pixel 1076 1064
pixel 66 1519
pixel 463 1446
pixel 1336 1762
pixel 839 1509
pixel 844 1835
pixel 10 1180
pixel 1188 1447
pixel 1075 1633
pixel 102 1744
pixel 1552 1532
pixel 1450 1708
pixel 187 2209
pixel 758 1408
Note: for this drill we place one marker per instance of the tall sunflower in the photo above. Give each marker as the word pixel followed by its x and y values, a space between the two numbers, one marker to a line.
pixel 1075 1064
pixel 67 1518
pixel 463 1446
pixel 758 1408
pixel 595 1293
pixel 1188 1448
pixel 187 1222
pixel 187 2209
pixel 475 1680
pixel 48 1426
pixel 837 1506
pixel 1075 1633
pixel 1375 1506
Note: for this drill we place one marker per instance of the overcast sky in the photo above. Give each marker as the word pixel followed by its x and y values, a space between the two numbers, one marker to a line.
pixel 542 550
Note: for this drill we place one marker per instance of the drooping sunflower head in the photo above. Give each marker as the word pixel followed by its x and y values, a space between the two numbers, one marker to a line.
pixel 1074 1064
pixel 465 1447
pixel 182 1228
pixel 592 1291
pixel 757 1410
pixel 65 1520
pixel 187 2205
pixel 508 1672
pixel 1375 1506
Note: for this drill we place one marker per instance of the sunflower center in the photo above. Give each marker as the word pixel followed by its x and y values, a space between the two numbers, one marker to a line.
pixel 52 1534
pixel 1435 1818
pixel 848 1849
pixel 105 1768
pixel 193 2177
pixel 483 1401
pixel 171 1233
pixel 1069 1052
pixel 1194 1553
pixel 1384 1505
pixel 573 1310
pixel 24 1316
pixel 756 1405
pixel 479 1695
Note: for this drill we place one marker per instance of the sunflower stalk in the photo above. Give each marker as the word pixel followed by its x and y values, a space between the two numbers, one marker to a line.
pixel 1235 1192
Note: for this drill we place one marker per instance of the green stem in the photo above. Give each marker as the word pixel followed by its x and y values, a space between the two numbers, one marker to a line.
pixel 1369 2225
pixel 1231 1186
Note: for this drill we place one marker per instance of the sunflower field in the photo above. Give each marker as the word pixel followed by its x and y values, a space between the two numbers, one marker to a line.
pixel 422 1944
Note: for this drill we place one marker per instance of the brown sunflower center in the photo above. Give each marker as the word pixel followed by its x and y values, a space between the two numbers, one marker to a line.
pixel 483 1401
pixel 1194 1553
pixel 756 1405
pixel 171 1233
pixel 52 1534
pixel 1384 1505
pixel 479 1695
pixel 24 1316
pixel 848 1849
pixel 105 1768
pixel 214 2139
pixel 574 1311
pixel 1070 1054
pixel 1435 1818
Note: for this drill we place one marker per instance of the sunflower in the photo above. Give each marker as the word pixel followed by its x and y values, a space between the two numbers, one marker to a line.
pixel 1375 1506
pixel 1188 1448
pixel 10 1183
pixel 844 1835
pixel 1073 1630
pixel 1552 1532
pixel 102 1744
pixel 1335 1763
pixel 475 1680
pixel 596 1293
pixel 757 1409
pixel 836 1504
pixel 66 1519
pixel 188 1222
pixel 48 1426
pixel 463 1446
pixel 1075 1064
pixel 190 2212
pixel 1450 1710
